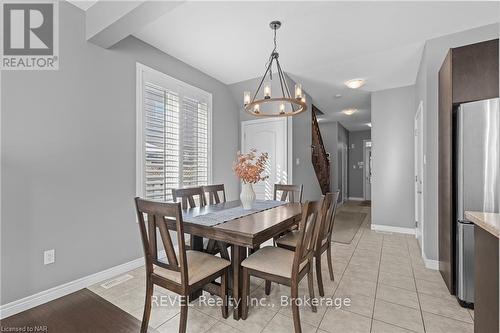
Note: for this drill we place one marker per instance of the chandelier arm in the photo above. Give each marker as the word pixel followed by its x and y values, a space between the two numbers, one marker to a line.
pixel 280 76
pixel 261 81
pixel 286 84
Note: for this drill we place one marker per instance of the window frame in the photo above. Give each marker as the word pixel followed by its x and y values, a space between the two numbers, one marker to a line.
pixel 140 116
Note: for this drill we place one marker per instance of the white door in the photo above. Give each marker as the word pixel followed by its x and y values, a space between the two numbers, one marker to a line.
pixel 268 136
pixel 419 175
pixel 367 163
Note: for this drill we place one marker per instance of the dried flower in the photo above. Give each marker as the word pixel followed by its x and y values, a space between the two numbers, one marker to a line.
pixel 248 167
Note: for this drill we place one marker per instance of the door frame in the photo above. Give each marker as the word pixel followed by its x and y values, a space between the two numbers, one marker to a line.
pixel 289 139
pixel 419 142
pixel 345 171
pixel 365 165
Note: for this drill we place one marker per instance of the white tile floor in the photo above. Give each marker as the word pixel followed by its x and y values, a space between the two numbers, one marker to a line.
pixel 382 274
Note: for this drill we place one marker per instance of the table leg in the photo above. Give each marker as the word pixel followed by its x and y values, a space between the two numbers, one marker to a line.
pixel 238 254
pixel 197 245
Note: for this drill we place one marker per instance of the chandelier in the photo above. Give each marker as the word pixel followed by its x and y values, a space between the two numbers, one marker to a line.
pixel 269 106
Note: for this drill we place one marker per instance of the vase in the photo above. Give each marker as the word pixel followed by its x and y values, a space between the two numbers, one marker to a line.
pixel 247 196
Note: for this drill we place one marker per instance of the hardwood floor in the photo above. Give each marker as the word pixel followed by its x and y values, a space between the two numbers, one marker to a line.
pixel 82 311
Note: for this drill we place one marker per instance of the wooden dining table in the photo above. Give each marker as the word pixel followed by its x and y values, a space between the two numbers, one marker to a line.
pixel 243 233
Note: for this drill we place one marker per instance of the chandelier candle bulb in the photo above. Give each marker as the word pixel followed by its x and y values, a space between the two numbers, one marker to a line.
pixel 298 91
pixel 256 108
pixel 282 108
pixel 267 90
pixel 246 97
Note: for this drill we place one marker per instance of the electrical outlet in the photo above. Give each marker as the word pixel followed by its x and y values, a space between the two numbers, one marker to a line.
pixel 49 257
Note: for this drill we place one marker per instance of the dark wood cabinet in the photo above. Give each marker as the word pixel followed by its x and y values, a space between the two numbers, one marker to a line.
pixel 485 272
pixel 446 231
pixel 469 73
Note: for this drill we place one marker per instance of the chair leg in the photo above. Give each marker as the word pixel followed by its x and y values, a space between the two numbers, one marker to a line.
pixel 295 307
pixel 268 287
pixel 147 307
pixel 246 292
pixel 319 276
pixel 184 314
pixel 310 283
pixel 330 262
pixel 223 291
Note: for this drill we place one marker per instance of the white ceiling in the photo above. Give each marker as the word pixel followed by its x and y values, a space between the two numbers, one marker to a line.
pixel 321 44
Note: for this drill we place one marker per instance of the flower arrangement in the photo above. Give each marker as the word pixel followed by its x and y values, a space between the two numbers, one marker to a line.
pixel 248 167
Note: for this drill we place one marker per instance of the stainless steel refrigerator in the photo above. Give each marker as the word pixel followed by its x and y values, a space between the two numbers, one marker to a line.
pixel 476 182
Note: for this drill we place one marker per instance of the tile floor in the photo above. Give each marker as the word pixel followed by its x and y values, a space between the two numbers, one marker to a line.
pixel 382 274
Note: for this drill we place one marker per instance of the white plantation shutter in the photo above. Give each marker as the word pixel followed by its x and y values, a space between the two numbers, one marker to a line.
pixel 175 140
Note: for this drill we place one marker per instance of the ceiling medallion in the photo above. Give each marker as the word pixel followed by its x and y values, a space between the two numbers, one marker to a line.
pixel 269 106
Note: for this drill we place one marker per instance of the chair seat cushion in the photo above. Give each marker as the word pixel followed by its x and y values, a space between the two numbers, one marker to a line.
pixel 289 239
pixel 272 260
pixel 200 265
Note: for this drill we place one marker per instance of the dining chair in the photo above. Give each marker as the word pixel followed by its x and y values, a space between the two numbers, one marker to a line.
pixel 289 240
pixel 288 192
pixel 284 266
pixel 213 193
pixel 188 197
pixel 213 198
pixel 183 272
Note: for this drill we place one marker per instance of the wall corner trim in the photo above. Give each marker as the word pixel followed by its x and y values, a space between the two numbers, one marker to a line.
pixel 430 263
pixel 48 295
pixel 388 228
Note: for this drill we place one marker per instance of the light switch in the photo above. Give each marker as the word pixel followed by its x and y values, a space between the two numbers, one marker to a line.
pixel 297 161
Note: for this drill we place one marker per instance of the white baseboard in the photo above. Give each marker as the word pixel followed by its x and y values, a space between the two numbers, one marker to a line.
pixel 388 228
pixel 48 295
pixel 356 199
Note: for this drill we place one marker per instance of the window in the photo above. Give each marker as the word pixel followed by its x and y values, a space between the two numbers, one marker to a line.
pixel 173 135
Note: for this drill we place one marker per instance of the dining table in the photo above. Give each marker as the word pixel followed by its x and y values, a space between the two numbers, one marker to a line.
pixel 222 223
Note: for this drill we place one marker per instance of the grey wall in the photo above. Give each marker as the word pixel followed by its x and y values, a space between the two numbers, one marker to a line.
pixel 343 138
pixel 392 151
pixel 356 151
pixel 427 92
pixel 303 173
pixel 334 137
pixel 68 158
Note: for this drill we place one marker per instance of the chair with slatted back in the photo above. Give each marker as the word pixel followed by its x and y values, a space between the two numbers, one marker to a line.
pixel 324 244
pixel 284 266
pixel 183 272
pixel 213 193
pixel 188 198
pixel 288 192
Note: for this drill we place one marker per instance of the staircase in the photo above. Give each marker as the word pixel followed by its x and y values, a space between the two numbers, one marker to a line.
pixel 319 156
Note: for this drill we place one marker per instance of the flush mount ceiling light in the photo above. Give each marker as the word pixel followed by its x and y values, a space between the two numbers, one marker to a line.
pixel 268 106
pixel 349 111
pixel 355 83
